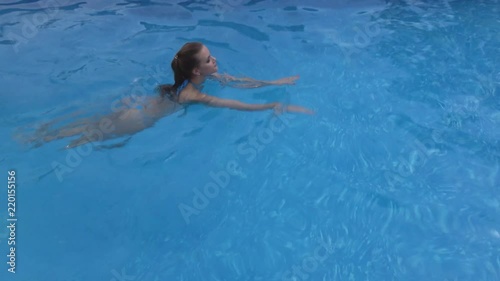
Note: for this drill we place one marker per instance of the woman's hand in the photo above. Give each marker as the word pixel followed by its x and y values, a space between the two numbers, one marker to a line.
pixel 280 108
pixel 285 81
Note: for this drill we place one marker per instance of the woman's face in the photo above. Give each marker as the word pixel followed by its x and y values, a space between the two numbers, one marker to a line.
pixel 207 63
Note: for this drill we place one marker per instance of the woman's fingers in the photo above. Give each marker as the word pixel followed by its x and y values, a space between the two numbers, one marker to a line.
pixel 280 109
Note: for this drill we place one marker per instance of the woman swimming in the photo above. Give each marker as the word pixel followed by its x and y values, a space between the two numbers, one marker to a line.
pixel 192 65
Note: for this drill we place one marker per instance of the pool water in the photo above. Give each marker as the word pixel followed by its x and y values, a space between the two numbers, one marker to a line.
pixel 396 176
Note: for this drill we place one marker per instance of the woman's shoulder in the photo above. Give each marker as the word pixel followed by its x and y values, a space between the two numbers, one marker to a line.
pixel 190 94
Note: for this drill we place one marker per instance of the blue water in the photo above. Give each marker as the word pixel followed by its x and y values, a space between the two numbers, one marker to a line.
pixel 396 176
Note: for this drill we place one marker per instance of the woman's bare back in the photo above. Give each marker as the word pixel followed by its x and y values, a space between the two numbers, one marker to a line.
pixel 126 121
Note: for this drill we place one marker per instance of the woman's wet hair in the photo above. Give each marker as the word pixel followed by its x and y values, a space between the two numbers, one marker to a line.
pixel 182 65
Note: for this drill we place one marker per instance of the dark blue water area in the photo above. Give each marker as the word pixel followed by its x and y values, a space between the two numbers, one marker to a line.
pixel 394 178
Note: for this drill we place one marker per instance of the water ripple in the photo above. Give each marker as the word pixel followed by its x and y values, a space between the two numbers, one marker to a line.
pixel 245 30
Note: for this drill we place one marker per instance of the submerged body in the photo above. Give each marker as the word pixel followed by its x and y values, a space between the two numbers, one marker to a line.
pixel 129 119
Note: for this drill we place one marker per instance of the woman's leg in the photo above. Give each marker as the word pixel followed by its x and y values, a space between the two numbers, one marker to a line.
pixel 66 132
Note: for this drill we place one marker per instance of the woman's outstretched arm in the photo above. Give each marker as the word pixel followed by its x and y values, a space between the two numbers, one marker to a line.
pixel 234 104
pixel 247 82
